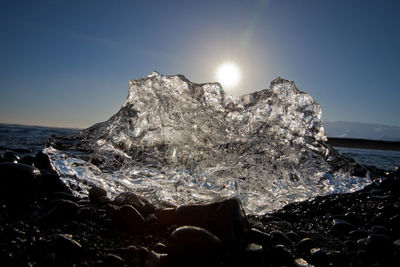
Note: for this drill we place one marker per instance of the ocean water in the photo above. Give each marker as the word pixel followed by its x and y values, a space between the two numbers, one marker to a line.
pixel 382 159
pixel 31 138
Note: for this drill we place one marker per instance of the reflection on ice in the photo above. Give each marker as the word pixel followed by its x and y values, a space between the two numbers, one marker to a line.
pixel 178 142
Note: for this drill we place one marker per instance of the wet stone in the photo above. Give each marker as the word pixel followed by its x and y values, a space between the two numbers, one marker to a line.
pixel 128 219
pixel 226 219
pixel 258 237
pixel 279 238
pixel 49 183
pixel 280 256
pixel 11 156
pixel 64 211
pixel 379 245
pixel 378 229
pixel 343 227
pixel 66 246
pixel 358 234
pixel 113 260
pixel 319 257
pixel 305 245
pixel 192 244
pixel 28 160
pixel 160 248
pixel 138 202
pixel 97 195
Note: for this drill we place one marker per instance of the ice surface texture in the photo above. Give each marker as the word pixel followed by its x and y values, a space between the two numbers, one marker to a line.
pixel 176 141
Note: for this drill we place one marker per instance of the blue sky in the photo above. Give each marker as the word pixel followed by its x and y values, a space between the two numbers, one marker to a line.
pixel 68 63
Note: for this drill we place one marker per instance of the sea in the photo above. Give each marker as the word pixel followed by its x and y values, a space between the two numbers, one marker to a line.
pixel 29 140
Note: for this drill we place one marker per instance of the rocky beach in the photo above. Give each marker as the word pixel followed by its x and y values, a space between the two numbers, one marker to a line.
pixel 44 224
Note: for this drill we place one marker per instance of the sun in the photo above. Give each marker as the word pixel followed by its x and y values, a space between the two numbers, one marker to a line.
pixel 228 74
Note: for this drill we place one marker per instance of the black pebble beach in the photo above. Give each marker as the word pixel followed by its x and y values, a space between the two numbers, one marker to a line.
pixel 44 224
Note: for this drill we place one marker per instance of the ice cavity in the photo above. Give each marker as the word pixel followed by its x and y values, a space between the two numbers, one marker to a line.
pixel 179 142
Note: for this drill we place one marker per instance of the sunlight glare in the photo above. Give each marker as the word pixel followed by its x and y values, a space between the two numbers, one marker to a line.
pixel 228 75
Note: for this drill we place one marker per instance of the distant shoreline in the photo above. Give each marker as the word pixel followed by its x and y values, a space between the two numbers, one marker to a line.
pixel 363 143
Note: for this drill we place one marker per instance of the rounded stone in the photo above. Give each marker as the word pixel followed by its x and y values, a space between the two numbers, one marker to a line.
pixel 343 227
pixel 66 247
pixel 11 156
pixel 305 245
pixel 97 195
pixel 279 238
pixel 186 240
pixel 379 245
pixel 128 219
pixel 138 202
pixel 18 178
pixel 358 234
pixel 62 213
pixel 258 237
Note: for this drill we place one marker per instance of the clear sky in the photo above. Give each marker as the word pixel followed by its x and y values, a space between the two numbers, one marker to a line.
pixel 68 62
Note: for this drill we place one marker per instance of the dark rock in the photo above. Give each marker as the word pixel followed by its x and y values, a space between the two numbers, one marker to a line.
pixel 319 257
pixel 28 160
pixel 279 238
pixel 358 234
pixel 97 195
pixel 11 156
pixel 343 227
pixel 281 256
pixel 17 181
pixel 226 219
pixel 293 237
pixel 260 238
pixel 268 218
pixel 64 211
pixel 66 247
pixel 49 183
pixel 379 245
pixel 378 229
pixel 194 245
pixel 138 202
pixel 113 260
pixel 64 195
pixel 394 222
pixel 128 219
pixel 43 162
pixel 305 245
pixel 160 248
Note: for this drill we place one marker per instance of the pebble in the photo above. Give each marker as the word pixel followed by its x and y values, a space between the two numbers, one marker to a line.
pixel 258 237
pixel 343 227
pixel 305 245
pixel 50 182
pixel 226 219
pixel 378 229
pixel 66 247
pixel 357 234
pixel 43 162
pixel 62 213
pixel 11 156
pixel 97 195
pixel 319 257
pixel 18 181
pixel 128 219
pixel 379 245
pixel 279 238
pixel 138 202
pixel 113 260
pixel 194 245
pixel 281 256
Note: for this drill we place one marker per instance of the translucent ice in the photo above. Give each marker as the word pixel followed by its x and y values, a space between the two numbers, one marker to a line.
pixel 176 141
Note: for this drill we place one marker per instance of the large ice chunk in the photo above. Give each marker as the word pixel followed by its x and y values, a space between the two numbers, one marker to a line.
pixel 177 141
